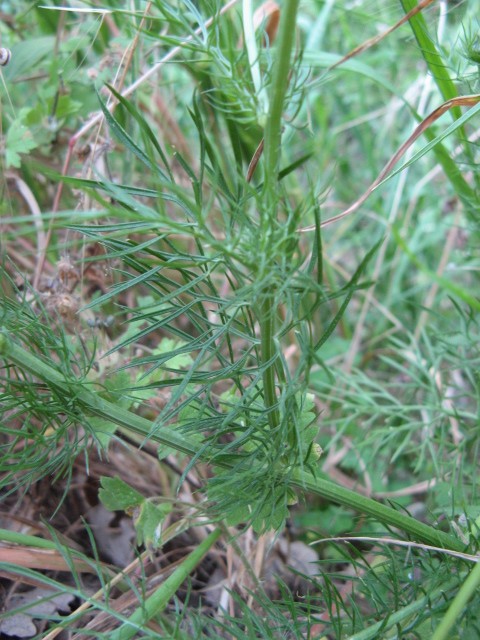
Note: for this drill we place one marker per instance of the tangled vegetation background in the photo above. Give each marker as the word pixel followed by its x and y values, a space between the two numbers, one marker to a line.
pixel 239 341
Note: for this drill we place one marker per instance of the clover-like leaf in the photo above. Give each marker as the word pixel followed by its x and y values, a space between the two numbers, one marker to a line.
pixel 19 140
pixel 117 495
pixel 148 523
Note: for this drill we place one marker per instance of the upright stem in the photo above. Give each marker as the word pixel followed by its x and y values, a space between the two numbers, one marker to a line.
pixel 269 196
pixel 267 329
pixel 281 72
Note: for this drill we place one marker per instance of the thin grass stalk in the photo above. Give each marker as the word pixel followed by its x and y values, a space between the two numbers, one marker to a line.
pixel 433 59
pixel 252 52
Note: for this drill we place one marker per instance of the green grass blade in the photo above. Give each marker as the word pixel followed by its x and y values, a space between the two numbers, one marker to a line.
pixel 128 141
pixel 429 51
pixel 468 115
pixel 452 288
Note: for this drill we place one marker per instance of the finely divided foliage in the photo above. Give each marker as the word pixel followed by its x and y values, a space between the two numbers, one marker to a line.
pixel 189 293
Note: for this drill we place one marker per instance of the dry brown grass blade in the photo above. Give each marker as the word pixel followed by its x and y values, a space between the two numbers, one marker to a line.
pixel 44 559
pixel 376 39
pixel 100 594
pixel 254 161
pixel 469 557
pixel 460 101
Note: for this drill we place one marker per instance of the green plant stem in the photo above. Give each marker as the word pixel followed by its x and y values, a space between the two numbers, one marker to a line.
pixel 381 512
pixel 269 199
pixel 86 399
pixel 267 328
pixel 281 71
pixel 89 402
pixel 458 605
pixel 159 600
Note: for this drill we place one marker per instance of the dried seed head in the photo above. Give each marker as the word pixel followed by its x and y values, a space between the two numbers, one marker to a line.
pixel 65 269
pixel 67 306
